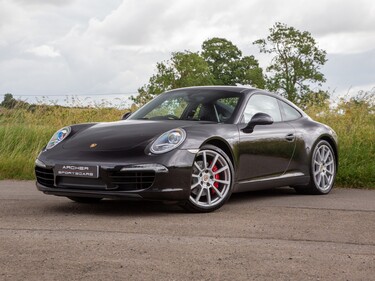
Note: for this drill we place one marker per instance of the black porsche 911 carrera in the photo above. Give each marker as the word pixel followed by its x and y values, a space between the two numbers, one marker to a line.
pixel 194 146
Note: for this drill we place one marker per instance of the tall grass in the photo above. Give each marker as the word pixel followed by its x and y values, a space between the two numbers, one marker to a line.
pixel 354 124
pixel 24 132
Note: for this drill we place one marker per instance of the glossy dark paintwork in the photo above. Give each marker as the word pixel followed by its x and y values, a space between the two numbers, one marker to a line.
pixel 272 155
pixel 268 147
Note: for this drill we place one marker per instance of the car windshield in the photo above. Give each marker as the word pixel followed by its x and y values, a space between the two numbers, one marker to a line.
pixel 204 105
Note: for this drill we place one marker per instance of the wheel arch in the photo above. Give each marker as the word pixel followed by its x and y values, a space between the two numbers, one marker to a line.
pixel 224 146
pixel 333 144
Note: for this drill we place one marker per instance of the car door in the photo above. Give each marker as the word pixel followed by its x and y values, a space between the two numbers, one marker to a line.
pixel 266 152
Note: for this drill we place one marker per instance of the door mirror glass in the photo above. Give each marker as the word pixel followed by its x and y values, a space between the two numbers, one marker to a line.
pixel 258 119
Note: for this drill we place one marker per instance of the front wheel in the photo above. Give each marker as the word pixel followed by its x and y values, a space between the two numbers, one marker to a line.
pixel 211 180
pixel 322 170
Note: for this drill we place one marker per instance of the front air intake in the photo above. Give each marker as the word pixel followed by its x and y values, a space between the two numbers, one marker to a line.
pixel 132 180
pixel 44 176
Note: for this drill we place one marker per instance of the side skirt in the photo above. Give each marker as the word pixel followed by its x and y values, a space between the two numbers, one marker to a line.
pixel 293 178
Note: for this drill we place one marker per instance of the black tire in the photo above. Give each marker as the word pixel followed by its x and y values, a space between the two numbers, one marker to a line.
pixel 85 200
pixel 213 182
pixel 320 169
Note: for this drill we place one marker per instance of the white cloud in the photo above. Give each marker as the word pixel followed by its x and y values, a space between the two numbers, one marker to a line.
pixel 348 42
pixel 44 51
pixel 43 2
pixel 86 46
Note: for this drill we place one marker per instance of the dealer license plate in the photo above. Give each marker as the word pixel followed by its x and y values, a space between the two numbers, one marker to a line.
pixel 79 171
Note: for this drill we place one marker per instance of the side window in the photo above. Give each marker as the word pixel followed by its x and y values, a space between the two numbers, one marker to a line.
pixel 289 113
pixel 265 104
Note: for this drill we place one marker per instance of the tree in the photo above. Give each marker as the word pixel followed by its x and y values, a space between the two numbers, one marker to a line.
pixel 296 62
pixel 219 63
pixel 184 69
pixel 222 57
pixel 228 66
pixel 248 72
pixel 9 101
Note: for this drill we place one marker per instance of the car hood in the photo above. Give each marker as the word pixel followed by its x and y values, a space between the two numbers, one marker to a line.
pixel 120 135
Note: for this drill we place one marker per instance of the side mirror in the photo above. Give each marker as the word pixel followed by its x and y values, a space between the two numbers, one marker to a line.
pixel 258 119
pixel 126 115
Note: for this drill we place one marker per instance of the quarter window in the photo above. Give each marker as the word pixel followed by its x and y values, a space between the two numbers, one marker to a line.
pixel 264 104
pixel 289 113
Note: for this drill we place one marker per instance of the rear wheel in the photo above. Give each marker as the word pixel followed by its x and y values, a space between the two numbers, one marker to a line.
pixel 211 180
pixel 86 200
pixel 323 170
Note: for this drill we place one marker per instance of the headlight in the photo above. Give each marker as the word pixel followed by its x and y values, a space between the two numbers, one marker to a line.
pixel 168 141
pixel 58 137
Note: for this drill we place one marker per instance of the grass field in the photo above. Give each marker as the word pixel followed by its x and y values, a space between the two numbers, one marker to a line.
pixel 24 132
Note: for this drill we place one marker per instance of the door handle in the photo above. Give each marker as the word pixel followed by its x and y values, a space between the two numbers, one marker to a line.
pixel 290 137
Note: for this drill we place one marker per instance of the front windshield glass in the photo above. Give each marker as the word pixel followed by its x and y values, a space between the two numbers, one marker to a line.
pixel 204 105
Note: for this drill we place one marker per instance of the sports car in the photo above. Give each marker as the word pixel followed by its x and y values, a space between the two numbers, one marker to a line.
pixel 194 147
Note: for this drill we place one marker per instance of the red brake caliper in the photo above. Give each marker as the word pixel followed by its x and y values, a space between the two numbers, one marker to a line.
pixel 216 184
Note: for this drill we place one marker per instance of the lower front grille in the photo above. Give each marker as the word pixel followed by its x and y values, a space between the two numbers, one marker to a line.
pixel 126 180
pixel 44 176
pixel 80 183
pixel 132 180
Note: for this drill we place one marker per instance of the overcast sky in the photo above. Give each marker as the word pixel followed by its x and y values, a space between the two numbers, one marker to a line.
pixel 61 47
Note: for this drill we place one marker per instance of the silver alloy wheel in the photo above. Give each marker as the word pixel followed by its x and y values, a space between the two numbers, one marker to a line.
pixel 324 168
pixel 211 179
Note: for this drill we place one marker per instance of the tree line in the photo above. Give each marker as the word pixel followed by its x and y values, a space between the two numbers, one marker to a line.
pixel 294 70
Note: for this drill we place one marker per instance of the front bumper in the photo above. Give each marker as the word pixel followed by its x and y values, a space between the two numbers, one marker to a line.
pixel 149 181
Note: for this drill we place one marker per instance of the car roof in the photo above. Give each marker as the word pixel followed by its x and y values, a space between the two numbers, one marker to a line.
pixel 236 89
